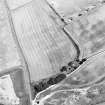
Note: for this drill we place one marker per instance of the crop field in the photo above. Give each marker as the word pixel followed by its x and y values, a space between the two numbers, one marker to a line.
pixel 52 52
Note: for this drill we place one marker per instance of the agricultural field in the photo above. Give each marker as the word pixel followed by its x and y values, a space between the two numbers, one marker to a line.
pixel 52 52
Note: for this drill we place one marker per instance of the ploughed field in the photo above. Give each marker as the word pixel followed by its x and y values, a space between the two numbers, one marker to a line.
pixel 81 81
pixel 63 43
